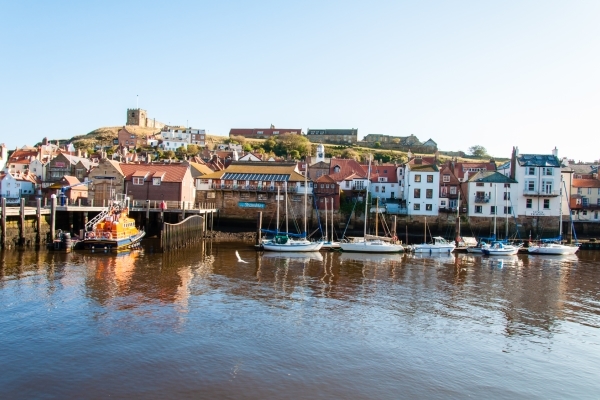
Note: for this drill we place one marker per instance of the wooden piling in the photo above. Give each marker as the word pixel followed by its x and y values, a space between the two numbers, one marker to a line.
pixel 38 217
pixel 53 218
pixel 147 224
pixel 22 222
pixel 259 228
pixel 3 223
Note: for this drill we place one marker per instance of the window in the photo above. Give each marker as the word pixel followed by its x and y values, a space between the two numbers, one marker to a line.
pixel 529 203
pixel 417 193
pixel 479 184
pixel 586 201
pixel 547 171
pixel 598 202
pixel 506 195
pixel 446 178
pixel 589 190
pixel 376 189
pixel 452 189
pixel 428 207
pixel 530 186
pixel 478 209
pixel 138 181
pixel 584 212
pixel 508 210
pixel 546 204
pixel 382 189
pixel 429 193
pixel 347 184
pixel 417 178
pixel 507 185
pixel 429 178
pixel 416 207
pixel 579 191
pixel 493 210
pixel 530 171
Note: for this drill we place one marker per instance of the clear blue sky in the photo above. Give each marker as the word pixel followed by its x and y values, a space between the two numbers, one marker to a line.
pixel 496 74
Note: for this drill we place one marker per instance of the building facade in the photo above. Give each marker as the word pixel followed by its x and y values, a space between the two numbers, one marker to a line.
pixel 337 136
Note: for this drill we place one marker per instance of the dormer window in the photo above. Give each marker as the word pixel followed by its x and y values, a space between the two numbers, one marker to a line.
pixel 336 169
pixel 138 181
pixel 156 181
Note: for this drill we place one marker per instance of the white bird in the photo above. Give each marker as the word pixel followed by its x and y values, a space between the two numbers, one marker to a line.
pixel 240 258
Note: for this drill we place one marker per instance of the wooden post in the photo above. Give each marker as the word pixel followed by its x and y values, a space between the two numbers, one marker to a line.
pixel 147 224
pixel 22 223
pixel 70 216
pixel 38 215
pixel 394 233
pixel 52 218
pixel 259 229
pixel 182 210
pixel 212 220
pixel 3 223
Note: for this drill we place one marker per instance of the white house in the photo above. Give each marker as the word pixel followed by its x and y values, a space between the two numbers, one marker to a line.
pixel 13 186
pixel 539 180
pixel 421 188
pixel 492 194
pixel 384 182
pixel 173 144
pixel 190 135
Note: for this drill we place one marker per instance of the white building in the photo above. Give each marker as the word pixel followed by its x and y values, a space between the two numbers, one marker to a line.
pixel 492 194
pixel 173 144
pixel 189 135
pixel 13 186
pixel 539 180
pixel 421 188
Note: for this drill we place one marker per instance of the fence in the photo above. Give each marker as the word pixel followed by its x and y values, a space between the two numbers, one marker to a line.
pixel 182 234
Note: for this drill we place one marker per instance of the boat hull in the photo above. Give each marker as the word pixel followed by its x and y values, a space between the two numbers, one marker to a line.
pixel 428 248
pixel 367 247
pixel 111 244
pixel 292 247
pixel 501 252
pixel 556 249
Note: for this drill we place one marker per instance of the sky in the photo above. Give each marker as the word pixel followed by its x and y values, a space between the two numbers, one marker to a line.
pixel 463 73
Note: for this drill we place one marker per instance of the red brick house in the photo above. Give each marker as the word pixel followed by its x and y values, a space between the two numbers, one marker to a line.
pixel 159 182
pixel 326 188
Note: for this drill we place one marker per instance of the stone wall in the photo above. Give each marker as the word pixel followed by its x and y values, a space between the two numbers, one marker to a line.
pixel 30 234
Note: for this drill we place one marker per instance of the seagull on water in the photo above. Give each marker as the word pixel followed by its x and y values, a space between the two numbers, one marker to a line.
pixel 240 258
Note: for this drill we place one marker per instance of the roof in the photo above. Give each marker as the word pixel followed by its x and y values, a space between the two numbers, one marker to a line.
pixel 538 160
pixel 491 177
pixel 586 183
pixel 258 170
pixel 347 168
pixel 384 171
pixel 265 131
pixel 424 168
pixel 461 167
pixel 200 169
pixel 332 132
pixel 172 172
pixel 325 179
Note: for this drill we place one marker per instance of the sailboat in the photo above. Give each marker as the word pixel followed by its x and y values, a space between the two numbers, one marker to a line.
pixel 554 246
pixel 284 241
pixel 365 244
pixel 498 248
pixel 437 244
pixel 329 244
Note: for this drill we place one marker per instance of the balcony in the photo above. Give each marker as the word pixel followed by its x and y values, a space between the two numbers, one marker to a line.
pixel 253 188
pixel 541 193
pixel 482 199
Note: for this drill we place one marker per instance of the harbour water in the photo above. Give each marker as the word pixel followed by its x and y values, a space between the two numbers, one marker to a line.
pixel 201 324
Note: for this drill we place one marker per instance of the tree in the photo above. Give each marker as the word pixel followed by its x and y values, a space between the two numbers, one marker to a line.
pixel 236 140
pixel 192 150
pixel 295 154
pixel 247 147
pixel 350 154
pixel 377 145
pixel 169 154
pixel 180 152
pixel 478 151
pixel 289 141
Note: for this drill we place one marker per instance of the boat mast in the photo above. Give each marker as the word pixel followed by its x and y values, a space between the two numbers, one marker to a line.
pixel 425 231
pixel 560 212
pixel 457 238
pixel 506 208
pixel 376 216
pixel 287 231
pixel 326 220
pixel 305 193
pixel 277 228
pixel 332 238
pixel 367 199
pixel 495 207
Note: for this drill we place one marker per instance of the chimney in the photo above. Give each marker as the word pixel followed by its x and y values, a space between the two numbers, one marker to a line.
pixel 555 152
pixel 513 162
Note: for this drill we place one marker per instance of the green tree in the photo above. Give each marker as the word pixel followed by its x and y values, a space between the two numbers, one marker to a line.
pixel 180 152
pixel 236 140
pixel 192 150
pixel 169 154
pixel 247 147
pixel 377 145
pixel 289 141
pixel 295 154
pixel 350 154
pixel 478 151
pixel 269 145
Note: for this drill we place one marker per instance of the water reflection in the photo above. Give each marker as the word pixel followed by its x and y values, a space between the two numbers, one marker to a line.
pixel 306 308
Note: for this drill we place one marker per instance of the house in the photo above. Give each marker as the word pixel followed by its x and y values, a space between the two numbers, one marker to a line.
pixel 452 176
pixel 337 136
pixel 130 140
pixel 421 187
pixel 430 143
pixel 586 193
pixel 189 135
pixel 539 178
pixel 262 133
pixel 318 165
pixel 244 186
pixel 107 180
pixel 168 182
pixel 173 143
pixel 20 159
pixel 78 191
pixel 491 194
pixel 384 183
pixel 14 186
pixel 350 176
pixel 64 164
pixel 325 189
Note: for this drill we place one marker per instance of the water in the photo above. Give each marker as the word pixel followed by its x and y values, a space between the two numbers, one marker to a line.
pixel 200 324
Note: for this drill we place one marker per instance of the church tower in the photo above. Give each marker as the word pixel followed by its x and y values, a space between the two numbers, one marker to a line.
pixel 320 153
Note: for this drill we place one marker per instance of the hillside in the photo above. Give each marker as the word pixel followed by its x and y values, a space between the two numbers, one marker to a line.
pixel 107 134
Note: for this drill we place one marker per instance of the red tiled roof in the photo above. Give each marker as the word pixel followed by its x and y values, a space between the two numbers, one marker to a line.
pixel 173 173
pixel 586 183
pixel 325 178
pixel 347 168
